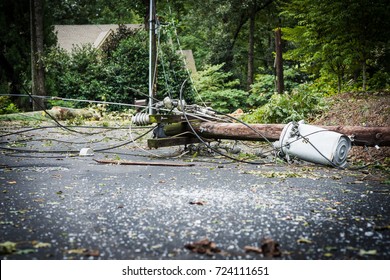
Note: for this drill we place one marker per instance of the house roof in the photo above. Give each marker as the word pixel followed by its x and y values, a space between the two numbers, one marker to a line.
pixel 70 36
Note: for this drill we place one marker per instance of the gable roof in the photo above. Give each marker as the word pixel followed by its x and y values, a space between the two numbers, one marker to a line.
pixel 70 36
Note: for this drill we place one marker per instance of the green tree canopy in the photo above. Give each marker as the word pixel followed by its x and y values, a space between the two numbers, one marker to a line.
pixel 339 37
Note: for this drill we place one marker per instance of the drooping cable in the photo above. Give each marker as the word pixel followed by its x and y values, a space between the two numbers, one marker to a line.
pixel 202 140
pixel 47 113
pixel 77 151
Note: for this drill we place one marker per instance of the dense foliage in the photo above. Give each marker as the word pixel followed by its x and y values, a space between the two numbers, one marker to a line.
pixel 117 73
pixel 331 45
pixel 304 102
pixel 217 90
pixel 343 40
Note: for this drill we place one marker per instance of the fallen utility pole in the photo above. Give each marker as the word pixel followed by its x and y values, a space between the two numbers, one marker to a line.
pixel 362 136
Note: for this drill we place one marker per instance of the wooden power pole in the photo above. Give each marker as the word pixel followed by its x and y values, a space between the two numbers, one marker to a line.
pixel 362 136
pixel 37 67
pixel 279 61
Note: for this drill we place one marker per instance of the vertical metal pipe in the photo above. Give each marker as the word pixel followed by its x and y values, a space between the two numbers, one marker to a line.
pixel 151 56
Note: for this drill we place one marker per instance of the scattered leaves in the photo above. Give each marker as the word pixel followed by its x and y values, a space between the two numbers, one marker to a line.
pixel 84 252
pixel 19 212
pixel 284 174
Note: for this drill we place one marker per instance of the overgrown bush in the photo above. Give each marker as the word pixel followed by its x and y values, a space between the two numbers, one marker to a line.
pixel 379 81
pixel 118 73
pixel 303 102
pixel 79 75
pixel 264 86
pixel 7 106
pixel 216 88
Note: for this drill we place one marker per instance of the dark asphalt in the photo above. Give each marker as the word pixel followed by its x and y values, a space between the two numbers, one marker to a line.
pixel 59 207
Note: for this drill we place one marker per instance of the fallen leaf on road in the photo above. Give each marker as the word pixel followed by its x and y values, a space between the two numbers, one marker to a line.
pixel 38 245
pixel 251 249
pixel 380 228
pixel 7 247
pixel 203 246
pixel 78 251
pixel 92 253
pixel 304 240
pixel 363 252
pixel 25 251
pixel 198 202
pixel 270 248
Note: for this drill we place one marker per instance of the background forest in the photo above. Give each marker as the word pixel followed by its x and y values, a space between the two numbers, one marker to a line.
pixel 327 47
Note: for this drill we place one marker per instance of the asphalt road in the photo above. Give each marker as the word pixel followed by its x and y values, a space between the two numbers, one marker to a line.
pixel 64 206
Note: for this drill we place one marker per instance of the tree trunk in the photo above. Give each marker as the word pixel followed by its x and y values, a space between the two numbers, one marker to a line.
pixel 339 79
pixel 251 47
pixel 364 69
pixel 279 61
pixel 37 67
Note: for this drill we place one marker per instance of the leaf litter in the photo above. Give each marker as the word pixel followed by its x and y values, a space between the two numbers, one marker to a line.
pixel 269 248
pixel 204 246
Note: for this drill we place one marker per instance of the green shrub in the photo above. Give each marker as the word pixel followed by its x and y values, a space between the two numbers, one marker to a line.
pixel 118 73
pixel 379 81
pixel 225 101
pixel 264 86
pixel 303 102
pixel 261 90
pixel 7 106
pixel 79 75
pixel 218 89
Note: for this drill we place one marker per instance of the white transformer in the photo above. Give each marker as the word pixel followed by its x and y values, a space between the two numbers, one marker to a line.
pixel 313 144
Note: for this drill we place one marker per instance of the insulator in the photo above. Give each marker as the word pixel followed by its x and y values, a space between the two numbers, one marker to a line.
pixel 207 111
pixel 181 104
pixel 141 119
pixel 168 103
